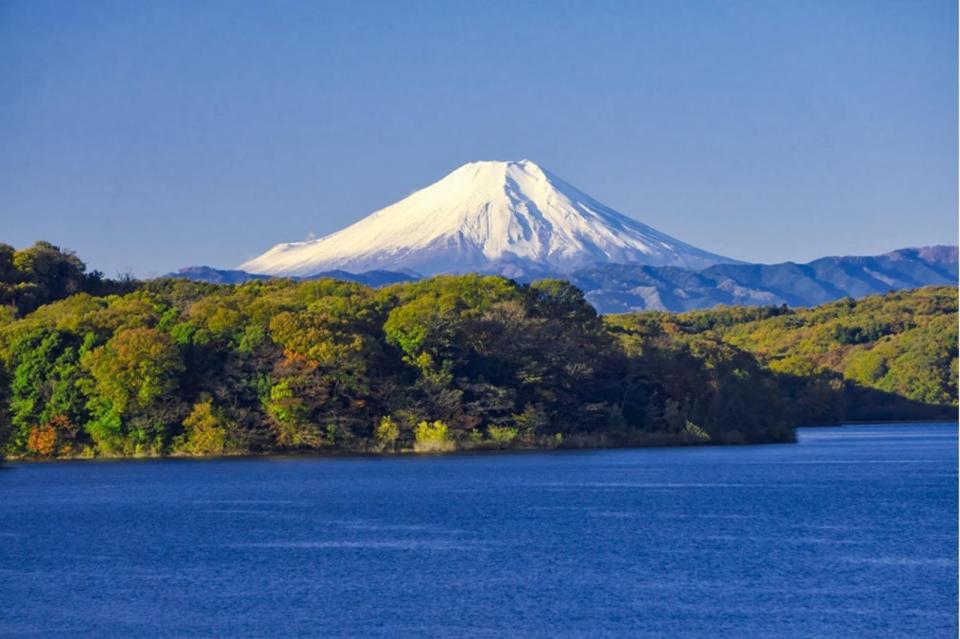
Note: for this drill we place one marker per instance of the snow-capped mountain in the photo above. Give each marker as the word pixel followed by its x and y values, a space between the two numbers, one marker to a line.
pixel 506 217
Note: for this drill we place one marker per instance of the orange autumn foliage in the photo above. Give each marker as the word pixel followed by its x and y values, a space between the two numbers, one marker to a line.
pixel 43 440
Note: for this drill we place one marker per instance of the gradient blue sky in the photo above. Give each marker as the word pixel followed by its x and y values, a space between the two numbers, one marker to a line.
pixel 147 136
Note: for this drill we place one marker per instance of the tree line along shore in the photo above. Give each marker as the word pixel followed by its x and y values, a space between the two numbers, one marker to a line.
pixel 93 367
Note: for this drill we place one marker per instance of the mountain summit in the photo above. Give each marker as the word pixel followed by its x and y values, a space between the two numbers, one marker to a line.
pixel 505 217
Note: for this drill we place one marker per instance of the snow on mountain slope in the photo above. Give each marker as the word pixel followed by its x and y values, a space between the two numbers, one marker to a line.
pixel 506 217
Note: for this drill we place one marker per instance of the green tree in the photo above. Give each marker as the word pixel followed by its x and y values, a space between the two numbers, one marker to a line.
pixel 132 394
pixel 206 430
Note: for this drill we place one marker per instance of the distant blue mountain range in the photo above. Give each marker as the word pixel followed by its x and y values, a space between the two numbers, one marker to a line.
pixel 221 276
pixel 618 288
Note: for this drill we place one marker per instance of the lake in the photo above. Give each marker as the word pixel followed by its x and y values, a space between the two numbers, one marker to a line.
pixel 852 532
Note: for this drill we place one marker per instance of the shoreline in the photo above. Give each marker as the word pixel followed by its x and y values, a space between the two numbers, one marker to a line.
pixel 664 442
pixel 883 422
pixel 581 443
pixel 469 451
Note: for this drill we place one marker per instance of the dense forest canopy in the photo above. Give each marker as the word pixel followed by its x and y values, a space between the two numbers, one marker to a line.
pixel 891 356
pixel 453 362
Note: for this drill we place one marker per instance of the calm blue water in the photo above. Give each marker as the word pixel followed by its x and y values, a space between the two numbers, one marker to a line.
pixel 850 533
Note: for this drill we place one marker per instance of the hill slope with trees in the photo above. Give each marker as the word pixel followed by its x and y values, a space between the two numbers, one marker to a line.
pixel 171 366
pixel 891 356
pixel 449 362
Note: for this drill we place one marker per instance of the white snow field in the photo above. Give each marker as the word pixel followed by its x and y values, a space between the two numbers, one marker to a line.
pixel 505 217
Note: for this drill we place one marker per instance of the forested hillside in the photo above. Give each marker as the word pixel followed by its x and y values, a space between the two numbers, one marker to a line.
pixel 450 362
pixel 454 362
pixel 890 356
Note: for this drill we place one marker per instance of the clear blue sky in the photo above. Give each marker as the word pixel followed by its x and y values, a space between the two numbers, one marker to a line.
pixel 147 136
